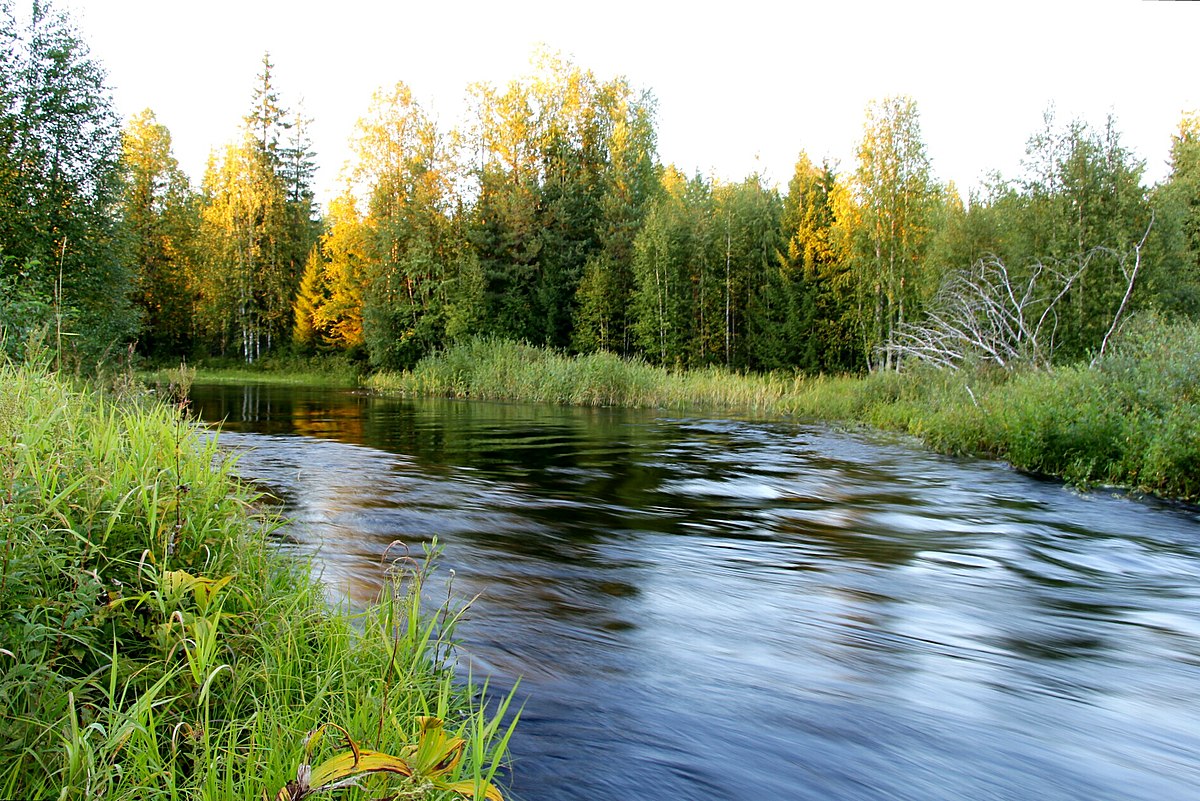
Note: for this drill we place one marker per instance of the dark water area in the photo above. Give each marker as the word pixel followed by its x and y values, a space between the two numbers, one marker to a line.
pixel 725 609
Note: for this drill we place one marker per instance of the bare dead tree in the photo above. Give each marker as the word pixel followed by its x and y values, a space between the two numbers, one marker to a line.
pixel 984 313
pixel 987 314
pixel 1131 274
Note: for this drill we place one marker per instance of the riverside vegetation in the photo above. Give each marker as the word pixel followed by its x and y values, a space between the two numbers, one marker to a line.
pixel 547 216
pixel 1130 420
pixel 154 645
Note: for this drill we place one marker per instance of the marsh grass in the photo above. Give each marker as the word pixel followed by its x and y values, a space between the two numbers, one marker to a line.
pixel 153 645
pixel 495 369
pixel 1131 421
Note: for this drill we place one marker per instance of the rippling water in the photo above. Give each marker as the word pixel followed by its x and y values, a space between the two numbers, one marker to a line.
pixel 722 609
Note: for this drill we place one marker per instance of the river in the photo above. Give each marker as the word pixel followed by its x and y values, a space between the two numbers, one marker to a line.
pixel 729 609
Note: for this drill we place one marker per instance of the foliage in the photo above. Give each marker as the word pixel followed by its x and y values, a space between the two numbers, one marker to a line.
pixel 546 217
pixel 1127 421
pixel 894 190
pixel 401 171
pixel 60 182
pixel 161 223
pixel 154 645
pixel 310 328
pixel 430 761
pixel 493 369
pixel 257 230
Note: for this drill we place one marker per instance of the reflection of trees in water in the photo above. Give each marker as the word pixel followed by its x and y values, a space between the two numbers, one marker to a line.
pixel 274 409
pixel 567 479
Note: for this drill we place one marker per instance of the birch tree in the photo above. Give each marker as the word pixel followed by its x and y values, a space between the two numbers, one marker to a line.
pixel 894 190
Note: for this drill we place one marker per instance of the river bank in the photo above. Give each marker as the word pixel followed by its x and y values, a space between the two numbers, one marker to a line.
pixel 153 644
pixel 1130 421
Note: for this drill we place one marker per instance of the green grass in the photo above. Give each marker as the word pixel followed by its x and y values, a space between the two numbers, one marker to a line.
pixel 315 371
pixel 1132 421
pixel 494 369
pixel 153 644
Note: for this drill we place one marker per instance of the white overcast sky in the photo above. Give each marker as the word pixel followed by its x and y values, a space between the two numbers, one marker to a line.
pixel 741 86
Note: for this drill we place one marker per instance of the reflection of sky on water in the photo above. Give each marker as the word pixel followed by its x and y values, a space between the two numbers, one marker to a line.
pixel 750 610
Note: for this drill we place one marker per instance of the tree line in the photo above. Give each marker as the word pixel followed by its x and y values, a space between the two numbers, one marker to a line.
pixel 547 217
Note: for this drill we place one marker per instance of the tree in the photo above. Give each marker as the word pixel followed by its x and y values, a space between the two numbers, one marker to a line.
pixel 401 169
pixel 245 294
pixel 894 190
pixel 310 331
pixel 632 181
pixel 987 314
pixel 805 315
pixel 665 252
pixel 1174 280
pixel 1079 201
pixel 562 167
pixel 749 221
pixel 346 243
pixel 258 227
pixel 60 179
pixel 160 223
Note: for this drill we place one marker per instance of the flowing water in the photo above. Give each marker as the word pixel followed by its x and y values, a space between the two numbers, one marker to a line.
pixel 723 609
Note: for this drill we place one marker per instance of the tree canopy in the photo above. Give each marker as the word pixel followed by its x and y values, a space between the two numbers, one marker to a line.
pixel 548 217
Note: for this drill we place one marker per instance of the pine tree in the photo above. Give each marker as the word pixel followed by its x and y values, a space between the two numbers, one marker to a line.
pixel 309 331
pixel 259 225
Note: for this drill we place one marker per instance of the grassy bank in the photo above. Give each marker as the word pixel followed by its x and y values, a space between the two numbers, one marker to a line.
pixel 153 645
pixel 315 371
pixel 1131 421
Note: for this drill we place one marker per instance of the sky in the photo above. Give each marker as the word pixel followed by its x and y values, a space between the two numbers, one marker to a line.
pixel 741 87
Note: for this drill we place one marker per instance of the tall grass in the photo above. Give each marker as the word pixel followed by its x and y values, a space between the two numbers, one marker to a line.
pixel 494 369
pixel 153 645
pixel 1131 421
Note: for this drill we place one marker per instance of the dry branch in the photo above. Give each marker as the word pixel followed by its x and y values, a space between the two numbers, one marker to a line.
pixel 987 314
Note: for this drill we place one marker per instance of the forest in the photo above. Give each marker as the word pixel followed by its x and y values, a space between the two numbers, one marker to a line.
pixel 548 218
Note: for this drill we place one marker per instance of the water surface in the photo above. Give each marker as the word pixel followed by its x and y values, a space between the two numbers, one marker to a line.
pixel 709 608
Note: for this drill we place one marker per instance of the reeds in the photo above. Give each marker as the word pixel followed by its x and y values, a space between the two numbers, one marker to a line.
pixel 153 645
pixel 495 369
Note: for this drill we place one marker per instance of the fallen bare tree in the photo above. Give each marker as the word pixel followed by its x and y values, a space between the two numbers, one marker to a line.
pixel 986 314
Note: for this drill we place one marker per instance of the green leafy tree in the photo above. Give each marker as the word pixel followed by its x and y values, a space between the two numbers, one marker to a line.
pixel 1078 205
pixel 60 185
pixel 749 215
pixel 562 167
pixel 895 192
pixel 245 295
pixel 1084 192
pixel 806 315
pixel 401 168
pixel 632 181
pixel 665 253
pixel 1174 280
pixel 258 227
pixel 160 220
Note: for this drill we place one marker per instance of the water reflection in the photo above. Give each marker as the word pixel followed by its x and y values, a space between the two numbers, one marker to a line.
pixel 746 610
